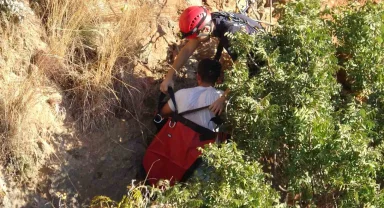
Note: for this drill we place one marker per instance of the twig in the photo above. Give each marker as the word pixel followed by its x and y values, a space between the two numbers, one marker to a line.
pixel 111 8
pixel 268 23
pixel 122 145
pixel 146 177
pixel 274 168
pixel 82 30
pixel 270 15
pixel 255 12
pixel 282 189
pixel 142 124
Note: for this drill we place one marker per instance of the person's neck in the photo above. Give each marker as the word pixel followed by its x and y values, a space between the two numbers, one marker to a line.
pixel 203 84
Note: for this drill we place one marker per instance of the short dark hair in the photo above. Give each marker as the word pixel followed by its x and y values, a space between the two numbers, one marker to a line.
pixel 209 70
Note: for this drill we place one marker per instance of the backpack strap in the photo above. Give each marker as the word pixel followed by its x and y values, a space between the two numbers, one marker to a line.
pixel 172 96
pixel 229 16
pixel 194 110
pixel 161 98
pixel 160 101
pixel 205 134
pixel 216 119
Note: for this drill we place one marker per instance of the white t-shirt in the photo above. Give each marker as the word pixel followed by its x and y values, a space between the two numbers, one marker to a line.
pixel 196 97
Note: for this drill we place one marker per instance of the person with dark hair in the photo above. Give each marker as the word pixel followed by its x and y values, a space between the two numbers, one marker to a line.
pixel 208 71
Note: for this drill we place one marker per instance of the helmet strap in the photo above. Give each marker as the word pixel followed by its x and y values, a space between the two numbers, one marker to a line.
pixel 202 33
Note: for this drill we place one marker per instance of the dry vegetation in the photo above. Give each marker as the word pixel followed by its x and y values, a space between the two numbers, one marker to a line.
pixel 90 51
pixel 94 50
pixel 23 123
pixel 25 114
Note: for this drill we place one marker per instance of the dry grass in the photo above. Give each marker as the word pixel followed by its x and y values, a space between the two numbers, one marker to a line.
pixel 23 110
pixel 19 136
pixel 95 45
pixel 89 57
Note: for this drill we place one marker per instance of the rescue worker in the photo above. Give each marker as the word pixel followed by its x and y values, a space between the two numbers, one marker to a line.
pixel 198 25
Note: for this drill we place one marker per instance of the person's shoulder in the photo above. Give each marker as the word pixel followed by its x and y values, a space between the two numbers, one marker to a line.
pixel 213 90
pixel 185 91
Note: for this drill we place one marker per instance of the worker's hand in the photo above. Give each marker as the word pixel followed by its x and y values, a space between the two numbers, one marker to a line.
pixel 165 84
pixel 217 107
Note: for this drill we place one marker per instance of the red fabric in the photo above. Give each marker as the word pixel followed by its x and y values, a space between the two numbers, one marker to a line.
pixel 172 152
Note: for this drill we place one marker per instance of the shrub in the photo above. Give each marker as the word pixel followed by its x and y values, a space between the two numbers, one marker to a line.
pixel 227 179
pixel 292 116
pixel 360 35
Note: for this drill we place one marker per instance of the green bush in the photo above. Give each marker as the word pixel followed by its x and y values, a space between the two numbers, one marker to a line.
pixel 226 179
pixel 360 35
pixel 314 141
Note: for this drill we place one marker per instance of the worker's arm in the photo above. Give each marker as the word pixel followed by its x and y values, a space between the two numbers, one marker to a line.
pixel 217 107
pixel 179 62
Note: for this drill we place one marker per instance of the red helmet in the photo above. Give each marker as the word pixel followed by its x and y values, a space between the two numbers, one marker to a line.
pixel 192 20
